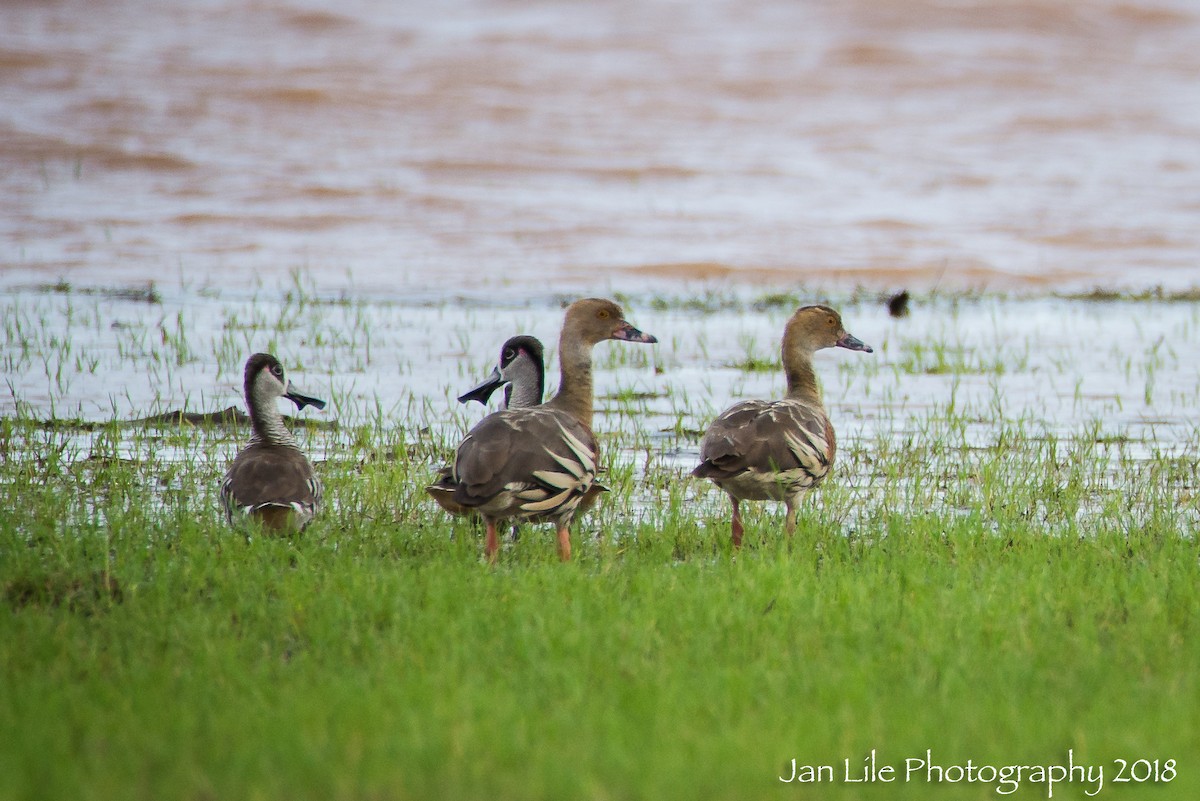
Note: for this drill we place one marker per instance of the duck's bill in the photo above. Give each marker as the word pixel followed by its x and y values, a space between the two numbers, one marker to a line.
pixel 850 342
pixel 630 334
pixel 484 390
pixel 301 400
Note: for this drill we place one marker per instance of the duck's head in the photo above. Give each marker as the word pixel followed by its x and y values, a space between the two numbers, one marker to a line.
pixel 521 365
pixel 594 320
pixel 812 328
pixel 266 381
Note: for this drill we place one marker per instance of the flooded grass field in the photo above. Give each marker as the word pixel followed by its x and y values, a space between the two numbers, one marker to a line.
pixel 976 374
pixel 1001 568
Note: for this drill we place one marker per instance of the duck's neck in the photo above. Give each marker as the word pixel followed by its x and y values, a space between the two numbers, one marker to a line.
pixel 575 382
pixel 801 377
pixel 527 385
pixel 267 422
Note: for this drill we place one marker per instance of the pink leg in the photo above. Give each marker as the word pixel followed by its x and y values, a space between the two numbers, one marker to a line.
pixel 564 543
pixel 493 542
pixel 789 523
pixel 735 525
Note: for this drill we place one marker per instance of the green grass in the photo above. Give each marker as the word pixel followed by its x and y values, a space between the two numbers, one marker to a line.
pixel 974 580
pixel 152 653
pixel 300 671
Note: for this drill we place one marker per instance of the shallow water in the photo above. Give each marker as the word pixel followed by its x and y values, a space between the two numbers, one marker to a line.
pixel 600 145
pixel 1046 387
pixel 1055 367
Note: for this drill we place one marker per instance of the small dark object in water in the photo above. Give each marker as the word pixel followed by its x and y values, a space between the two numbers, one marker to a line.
pixel 898 304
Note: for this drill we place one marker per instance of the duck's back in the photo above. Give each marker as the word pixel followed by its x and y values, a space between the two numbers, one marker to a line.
pixel 264 476
pixel 768 441
pixel 530 463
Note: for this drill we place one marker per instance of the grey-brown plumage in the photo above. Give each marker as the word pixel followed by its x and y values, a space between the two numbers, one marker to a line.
pixel 271 479
pixel 530 464
pixel 521 371
pixel 779 450
pixel 539 463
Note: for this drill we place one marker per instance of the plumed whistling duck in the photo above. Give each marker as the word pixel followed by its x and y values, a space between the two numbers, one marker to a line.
pixel 539 463
pixel 778 450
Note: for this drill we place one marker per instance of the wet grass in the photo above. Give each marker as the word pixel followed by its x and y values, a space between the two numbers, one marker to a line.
pixel 994 573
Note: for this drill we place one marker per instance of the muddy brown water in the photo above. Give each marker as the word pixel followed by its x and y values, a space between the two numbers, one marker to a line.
pixel 404 147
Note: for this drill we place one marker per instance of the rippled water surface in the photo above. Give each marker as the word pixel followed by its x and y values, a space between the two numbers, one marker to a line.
pixel 405 147
pixel 961 384
pixel 1052 367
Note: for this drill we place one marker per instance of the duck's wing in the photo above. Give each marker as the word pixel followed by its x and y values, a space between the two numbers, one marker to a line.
pixel 767 437
pixel 526 462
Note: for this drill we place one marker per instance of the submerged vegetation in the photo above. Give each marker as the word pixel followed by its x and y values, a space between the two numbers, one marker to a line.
pixel 1002 568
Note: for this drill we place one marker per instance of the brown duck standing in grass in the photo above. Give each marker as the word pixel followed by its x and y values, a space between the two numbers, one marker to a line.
pixel 761 450
pixel 539 463
pixel 271 479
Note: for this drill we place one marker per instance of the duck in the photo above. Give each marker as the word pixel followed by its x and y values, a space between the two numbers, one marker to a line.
pixel 271 480
pixel 539 463
pixel 779 450
pixel 521 371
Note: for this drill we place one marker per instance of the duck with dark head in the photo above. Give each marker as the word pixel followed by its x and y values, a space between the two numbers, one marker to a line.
pixel 271 479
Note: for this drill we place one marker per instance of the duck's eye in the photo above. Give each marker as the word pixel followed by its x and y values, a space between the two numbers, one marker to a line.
pixel 277 371
pixel 602 314
pixel 509 355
